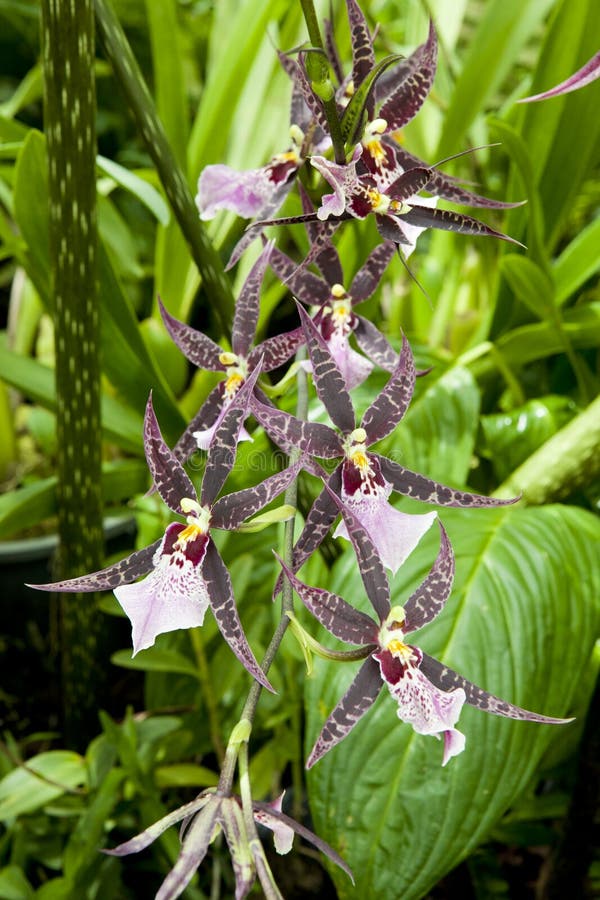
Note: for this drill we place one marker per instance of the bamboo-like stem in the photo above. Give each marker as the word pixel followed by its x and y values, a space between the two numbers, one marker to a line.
pixel 70 114
pixel 142 106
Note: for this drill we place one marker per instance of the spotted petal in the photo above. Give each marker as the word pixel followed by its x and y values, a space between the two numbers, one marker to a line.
pixel 332 611
pixel 417 75
pixel 411 484
pixel 363 56
pixel 276 350
pixel 288 432
pixel 584 76
pixel 172 596
pixel 357 700
pixel 306 286
pixel 343 180
pixel 196 346
pixel 431 595
pixel 353 367
pixel 375 345
pixel 168 475
pixel 247 306
pixel 230 511
pixel 122 572
pixel 328 379
pixel 220 591
pixel 203 421
pixel 369 275
pixel 150 834
pixel 446 220
pixel 389 407
pixel 195 845
pixel 246 193
pixel 423 705
pixel 446 679
pixel 224 442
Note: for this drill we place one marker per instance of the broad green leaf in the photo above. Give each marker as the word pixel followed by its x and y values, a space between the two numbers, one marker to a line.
pixel 579 261
pixel 27 506
pixel 139 187
pixel 521 622
pixel 11 130
pixel 437 435
pixel 46 776
pixel 513 436
pixel 121 425
pixel 529 283
pixel 155 659
pixel 581 325
pixel 503 29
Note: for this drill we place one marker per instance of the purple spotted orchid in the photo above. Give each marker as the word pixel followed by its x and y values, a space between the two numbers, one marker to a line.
pixel 430 695
pixel 211 814
pixel 335 317
pixel 237 364
pixel 363 480
pixel 185 573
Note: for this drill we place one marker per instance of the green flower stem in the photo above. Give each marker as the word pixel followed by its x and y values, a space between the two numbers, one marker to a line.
pixel 287 606
pixel 70 114
pixel 208 693
pixel 173 179
pixel 329 105
pixel 566 462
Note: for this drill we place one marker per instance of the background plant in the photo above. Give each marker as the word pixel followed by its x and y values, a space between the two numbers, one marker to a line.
pixel 514 340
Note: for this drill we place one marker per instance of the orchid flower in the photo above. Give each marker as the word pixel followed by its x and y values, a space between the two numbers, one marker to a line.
pixel 429 694
pixel 185 573
pixel 582 77
pixel 335 317
pixel 237 364
pixel 211 814
pixel 363 480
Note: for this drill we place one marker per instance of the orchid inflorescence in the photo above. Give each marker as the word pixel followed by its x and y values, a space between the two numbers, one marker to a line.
pixel 184 572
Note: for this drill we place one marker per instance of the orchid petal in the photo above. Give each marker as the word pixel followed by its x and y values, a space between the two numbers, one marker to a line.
pixel 332 611
pixel 343 180
pixel 218 585
pixel 423 705
pixel 172 596
pixel 389 407
pixel 588 73
pixel 328 379
pixel 196 346
pixel 306 286
pixel 421 217
pixel 236 835
pixel 245 193
pixel 288 432
pixel 375 345
pixel 446 679
pixel 230 511
pixel 363 56
pixel 353 367
pixel 224 441
pixel 276 350
pixel 168 475
pixel 195 845
pixel 283 834
pixel 122 572
pixel 357 700
pixel 367 278
pixel 431 595
pixel 418 487
pixel 394 534
pixel 150 834
pixel 247 305
pixel 206 417
pixel 283 819
pixel 368 553
pixel 416 79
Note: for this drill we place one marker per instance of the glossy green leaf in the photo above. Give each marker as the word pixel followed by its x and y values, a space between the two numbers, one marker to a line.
pixel 513 436
pixel 521 622
pixel 46 776
pixel 437 435
pixel 139 187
